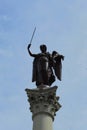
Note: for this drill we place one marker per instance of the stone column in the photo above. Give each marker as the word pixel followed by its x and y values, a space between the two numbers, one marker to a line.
pixel 43 105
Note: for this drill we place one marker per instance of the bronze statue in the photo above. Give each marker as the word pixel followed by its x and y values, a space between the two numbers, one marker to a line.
pixel 44 64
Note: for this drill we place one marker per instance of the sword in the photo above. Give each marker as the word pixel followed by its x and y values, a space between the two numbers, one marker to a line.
pixel 32 35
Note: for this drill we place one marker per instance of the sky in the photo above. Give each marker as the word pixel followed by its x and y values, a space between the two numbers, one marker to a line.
pixel 62 26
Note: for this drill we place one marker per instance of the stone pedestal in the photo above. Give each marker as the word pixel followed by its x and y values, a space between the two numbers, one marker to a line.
pixel 43 105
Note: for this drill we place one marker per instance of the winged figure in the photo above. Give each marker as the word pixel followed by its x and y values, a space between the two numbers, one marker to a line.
pixel 46 66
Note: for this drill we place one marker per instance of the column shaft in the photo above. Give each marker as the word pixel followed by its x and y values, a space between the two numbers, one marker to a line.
pixel 42 122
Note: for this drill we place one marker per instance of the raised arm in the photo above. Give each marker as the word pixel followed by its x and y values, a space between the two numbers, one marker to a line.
pixel 30 53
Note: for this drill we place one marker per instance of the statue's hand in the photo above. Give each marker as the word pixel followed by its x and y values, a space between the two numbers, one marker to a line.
pixel 29 45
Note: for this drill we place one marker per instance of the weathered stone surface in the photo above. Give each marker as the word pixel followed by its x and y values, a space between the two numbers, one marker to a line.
pixel 43 101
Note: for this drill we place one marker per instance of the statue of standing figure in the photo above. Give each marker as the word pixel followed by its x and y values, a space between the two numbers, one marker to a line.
pixel 46 66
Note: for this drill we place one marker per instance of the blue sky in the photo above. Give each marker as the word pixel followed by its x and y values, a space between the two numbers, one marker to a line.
pixel 62 26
